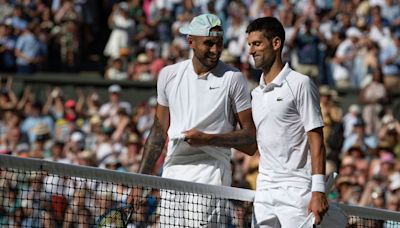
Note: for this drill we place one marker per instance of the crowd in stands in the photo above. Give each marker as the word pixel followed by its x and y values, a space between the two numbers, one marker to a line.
pixel 338 43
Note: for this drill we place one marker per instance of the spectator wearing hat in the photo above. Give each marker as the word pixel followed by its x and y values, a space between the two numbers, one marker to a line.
pixel 140 70
pixel 41 146
pixel 359 136
pixel 384 156
pixel 116 70
pixel 34 118
pixel 109 111
pixel 87 158
pixel 349 191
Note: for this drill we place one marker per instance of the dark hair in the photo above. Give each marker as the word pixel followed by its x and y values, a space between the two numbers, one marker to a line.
pixel 270 26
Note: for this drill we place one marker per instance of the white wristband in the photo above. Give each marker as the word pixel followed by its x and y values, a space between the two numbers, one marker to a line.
pixel 318 183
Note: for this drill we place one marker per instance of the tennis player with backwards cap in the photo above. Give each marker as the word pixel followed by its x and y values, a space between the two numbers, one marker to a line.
pixel 200 102
pixel 289 124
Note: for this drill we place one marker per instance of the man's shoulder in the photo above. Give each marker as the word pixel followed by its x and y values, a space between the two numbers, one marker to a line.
pixel 172 69
pixel 226 70
pixel 298 77
pixel 227 67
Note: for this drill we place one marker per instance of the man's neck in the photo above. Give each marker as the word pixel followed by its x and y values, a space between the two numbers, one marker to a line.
pixel 199 68
pixel 272 73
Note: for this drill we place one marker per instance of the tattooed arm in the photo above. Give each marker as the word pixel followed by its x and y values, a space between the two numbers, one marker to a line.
pixel 243 139
pixel 155 141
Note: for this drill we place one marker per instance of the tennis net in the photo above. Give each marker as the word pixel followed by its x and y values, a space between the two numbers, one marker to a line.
pixel 38 193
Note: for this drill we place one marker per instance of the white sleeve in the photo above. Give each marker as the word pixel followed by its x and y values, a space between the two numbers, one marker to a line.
pixel 162 97
pixel 308 105
pixel 239 93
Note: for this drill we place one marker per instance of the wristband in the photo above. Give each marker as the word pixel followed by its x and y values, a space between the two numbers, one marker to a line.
pixel 317 183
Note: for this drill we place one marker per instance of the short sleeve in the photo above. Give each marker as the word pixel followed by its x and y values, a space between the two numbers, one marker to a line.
pixel 162 98
pixel 308 105
pixel 239 93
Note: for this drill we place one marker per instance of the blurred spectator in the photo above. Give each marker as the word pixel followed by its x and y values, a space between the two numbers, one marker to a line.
pixel 144 38
pixel 331 113
pixel 122 28
pixel 374 96
pixel 29 51
pixel 307 40
pixel 343 63
pixel 5 9
pixel 109 111
pixel 17 19
pixel 116 71
pixel 140 70
pixel 7 46
pixel 8 100
pixel 54 105
pixel 152 51
pixel 34 119
pixel 350 118
pixel 389 57
pixel 360 137
pixel 78 213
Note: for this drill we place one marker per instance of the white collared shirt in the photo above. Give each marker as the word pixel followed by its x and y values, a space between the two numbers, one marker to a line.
pixel 207 103
pixel 283 112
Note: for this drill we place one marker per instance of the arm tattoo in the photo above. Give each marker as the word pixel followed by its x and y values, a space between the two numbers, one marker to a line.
pixel 234 139
pixel 152 148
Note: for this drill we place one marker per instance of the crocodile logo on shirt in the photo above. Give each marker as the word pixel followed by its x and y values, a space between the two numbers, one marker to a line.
pixel 211 88
pixel 279 99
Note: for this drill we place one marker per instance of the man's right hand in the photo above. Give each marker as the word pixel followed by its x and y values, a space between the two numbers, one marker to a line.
pixel 318 206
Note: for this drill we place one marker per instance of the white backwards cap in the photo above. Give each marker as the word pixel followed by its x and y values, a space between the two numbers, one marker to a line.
pixel 201 26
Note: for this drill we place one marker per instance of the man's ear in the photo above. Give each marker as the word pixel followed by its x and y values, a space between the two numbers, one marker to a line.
pixel 276 43
pixel 190 40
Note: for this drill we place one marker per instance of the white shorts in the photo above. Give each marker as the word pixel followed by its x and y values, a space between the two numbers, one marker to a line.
pixel 280 207
pixel 286 207
pixel 179 209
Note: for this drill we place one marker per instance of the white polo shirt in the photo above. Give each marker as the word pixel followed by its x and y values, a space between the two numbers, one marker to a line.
pixel 283 112
pixel 207 103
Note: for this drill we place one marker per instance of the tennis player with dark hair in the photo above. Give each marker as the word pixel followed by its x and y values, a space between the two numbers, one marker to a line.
pixel 200 102
pixel 289 124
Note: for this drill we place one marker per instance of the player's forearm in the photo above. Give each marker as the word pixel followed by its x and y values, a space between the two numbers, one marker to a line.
pixel 318 153
pixel 152 148
pixel 243 140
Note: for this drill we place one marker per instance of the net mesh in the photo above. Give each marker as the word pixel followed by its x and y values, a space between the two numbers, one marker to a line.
pixel 37 193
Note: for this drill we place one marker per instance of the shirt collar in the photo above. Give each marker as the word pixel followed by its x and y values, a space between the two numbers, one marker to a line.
pixel 277 81
pixel 203 76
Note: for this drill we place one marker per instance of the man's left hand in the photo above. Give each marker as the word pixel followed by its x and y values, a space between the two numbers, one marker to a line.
pixel 318 206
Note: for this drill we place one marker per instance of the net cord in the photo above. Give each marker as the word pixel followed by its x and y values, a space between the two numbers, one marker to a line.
pixel 132 179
